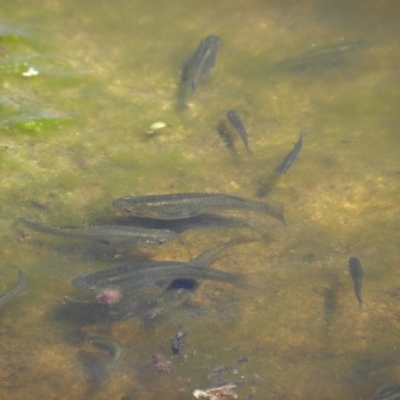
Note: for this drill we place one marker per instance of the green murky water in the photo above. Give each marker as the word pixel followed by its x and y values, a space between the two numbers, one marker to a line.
pixel 72 138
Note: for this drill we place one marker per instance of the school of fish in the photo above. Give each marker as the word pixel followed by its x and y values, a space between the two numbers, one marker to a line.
pixel 173 281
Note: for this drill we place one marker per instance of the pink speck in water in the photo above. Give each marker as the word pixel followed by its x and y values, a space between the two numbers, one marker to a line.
pixel 109 296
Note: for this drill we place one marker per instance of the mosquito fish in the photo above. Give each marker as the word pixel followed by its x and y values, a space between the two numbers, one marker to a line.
pixel 289 160
pixel 198 67
pixel 237 123
pixel 114 347
pixel 357 275
pixel 5 297
pixel 158 274
pixel 108 234
pixel 388 393
pixel 186 205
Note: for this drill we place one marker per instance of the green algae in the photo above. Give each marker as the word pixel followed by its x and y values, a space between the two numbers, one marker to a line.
pixel 35 123
pixel 13 66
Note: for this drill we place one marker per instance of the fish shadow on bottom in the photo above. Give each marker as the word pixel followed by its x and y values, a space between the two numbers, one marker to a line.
pixel 152 308
pixel 182 225
pixel 266 184
pixel 146 306
pixel 134 290
pixel 95 370
pixel 83 313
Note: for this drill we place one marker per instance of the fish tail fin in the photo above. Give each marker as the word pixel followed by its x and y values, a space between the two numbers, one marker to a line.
pixel 275 210
pixel 41 228
pixel 253 283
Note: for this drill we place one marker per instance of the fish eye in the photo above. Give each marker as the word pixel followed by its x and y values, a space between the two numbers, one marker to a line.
pixel 127 210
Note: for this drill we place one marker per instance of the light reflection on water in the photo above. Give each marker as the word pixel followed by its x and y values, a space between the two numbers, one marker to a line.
pixel 114 71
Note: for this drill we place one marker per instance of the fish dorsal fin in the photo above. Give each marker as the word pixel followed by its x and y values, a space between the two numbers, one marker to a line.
pixel 207 256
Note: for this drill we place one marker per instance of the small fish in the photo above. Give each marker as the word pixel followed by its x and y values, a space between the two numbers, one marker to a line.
pixel 158 274
pixel 187 205
pixel 288 161
pixel 387 393
pixel 108 234
pixel 357 274
pixel 323 56
pixel 177 342
pixel 114 347
pixel 198 67
pixel 5 297
pixel 237 123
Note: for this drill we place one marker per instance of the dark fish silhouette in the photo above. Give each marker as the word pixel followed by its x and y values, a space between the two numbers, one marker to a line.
pixel 288 161
pixel 198 67
pixel 357 274
pixel 237 123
